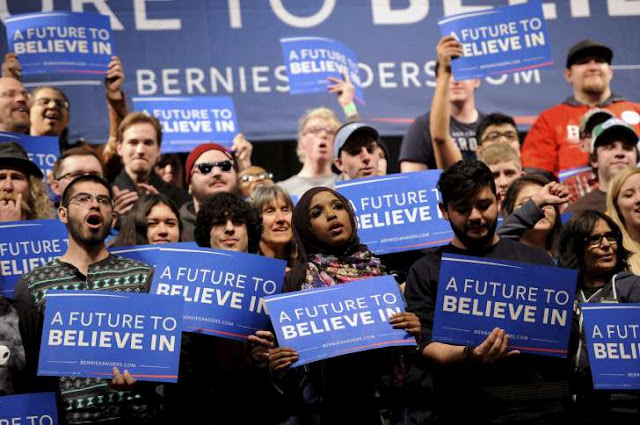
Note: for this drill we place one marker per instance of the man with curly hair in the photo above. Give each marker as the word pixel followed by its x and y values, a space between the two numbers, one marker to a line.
pixel 227 222
pixel 22 193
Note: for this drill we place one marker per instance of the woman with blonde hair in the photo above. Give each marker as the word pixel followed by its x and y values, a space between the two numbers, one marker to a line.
pixel 623 206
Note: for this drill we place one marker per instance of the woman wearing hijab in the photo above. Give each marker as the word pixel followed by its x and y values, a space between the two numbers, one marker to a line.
pixel 342 389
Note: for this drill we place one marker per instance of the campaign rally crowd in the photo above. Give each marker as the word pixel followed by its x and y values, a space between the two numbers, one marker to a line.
pixel 126 192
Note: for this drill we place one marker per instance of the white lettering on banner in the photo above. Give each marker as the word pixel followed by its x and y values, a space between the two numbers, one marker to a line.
pixel 383 14
pixel 31 420
pixel 145 23
pixel 264 79
pixel 302 22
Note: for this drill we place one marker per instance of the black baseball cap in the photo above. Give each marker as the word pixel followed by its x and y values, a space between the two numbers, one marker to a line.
pixel 587 48
pixel 12 154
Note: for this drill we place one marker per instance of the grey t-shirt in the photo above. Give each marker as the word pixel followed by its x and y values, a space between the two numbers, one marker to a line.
pixel 297 186
pixel 417 146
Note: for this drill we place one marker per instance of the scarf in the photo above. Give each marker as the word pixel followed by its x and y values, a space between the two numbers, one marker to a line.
pixel 328 270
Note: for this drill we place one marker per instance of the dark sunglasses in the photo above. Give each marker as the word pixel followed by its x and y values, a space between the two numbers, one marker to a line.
pixel 207 167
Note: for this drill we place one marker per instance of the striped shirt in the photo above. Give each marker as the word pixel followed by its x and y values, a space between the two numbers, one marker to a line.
pixel 85 399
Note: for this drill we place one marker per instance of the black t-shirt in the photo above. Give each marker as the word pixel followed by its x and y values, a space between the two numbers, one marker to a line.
pixel 417 146
pixel 522 387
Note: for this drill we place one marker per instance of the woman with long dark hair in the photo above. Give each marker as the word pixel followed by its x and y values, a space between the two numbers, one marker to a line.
pixel 545 231
pixel 337 390
pixel 591 242
pixel 154 219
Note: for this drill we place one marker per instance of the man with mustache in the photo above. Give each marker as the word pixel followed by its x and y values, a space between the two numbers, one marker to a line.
pixel 210 168
pixel 553 143
pixel 22 193
pixel 613 149
pixel 86 209
pixel 487 379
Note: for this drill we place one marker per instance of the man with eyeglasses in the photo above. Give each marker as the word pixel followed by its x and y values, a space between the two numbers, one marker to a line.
pixel 613 149
pixel 497 128
pixel 210 168
pixel 252 177
pixel 553 143
pixel 14 108
pixel 87 211
pixel 49 115
pixel 70 165
pixel 138 144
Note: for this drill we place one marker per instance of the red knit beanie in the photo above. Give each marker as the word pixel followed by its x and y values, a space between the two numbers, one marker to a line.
pixel 195 154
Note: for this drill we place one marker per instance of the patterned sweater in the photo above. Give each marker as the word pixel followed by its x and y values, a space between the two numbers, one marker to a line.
pixel 85 399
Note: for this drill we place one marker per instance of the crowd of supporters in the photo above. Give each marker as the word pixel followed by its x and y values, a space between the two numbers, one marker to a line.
pixel 126 192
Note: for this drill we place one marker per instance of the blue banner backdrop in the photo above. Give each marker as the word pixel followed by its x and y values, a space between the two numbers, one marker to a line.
pixel 232 47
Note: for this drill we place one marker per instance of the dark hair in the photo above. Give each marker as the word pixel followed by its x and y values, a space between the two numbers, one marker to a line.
pixel 139 118
pixel 66 195
pixel 306 242
pixel 508 205
pixel 217 208
pixel 134 224
pixel 78 151
pixel 572 241
pixel 463 180
pixel 38 89
pixel 495 118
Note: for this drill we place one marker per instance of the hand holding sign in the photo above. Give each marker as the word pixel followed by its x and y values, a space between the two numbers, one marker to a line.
pixel 114 79
pixel 407 321
pixel 448 48
pixel 344 88
pixel 123 381
pixel 493 348
pixel 281 358
pixel 261 343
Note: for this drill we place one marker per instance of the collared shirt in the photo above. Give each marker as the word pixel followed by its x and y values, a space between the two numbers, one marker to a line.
pixel 84 399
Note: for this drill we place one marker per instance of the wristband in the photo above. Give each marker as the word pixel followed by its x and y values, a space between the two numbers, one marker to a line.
pixel 350 109
pixel 468 354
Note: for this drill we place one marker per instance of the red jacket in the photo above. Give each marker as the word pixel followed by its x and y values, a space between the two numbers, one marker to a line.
pixel 553 143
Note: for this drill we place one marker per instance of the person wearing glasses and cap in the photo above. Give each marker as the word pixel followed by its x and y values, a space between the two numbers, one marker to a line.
pixel 553 143
pixel 22 193
pixel 251 178
pixel 87 211
pixel 138 144
pixel 210 168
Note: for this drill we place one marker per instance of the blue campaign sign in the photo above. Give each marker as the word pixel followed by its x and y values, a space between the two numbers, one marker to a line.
pixel 190 121
pixel 504 39
pixel 232 48
pixel 88 333
pixel 532 303
pixel 342 319
pixel 311 60
pixel 224 290
pixel 147 253
pixel 61 43
pixel 398 213
pixel 25 245
pixel 29 409
pixel 613 343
